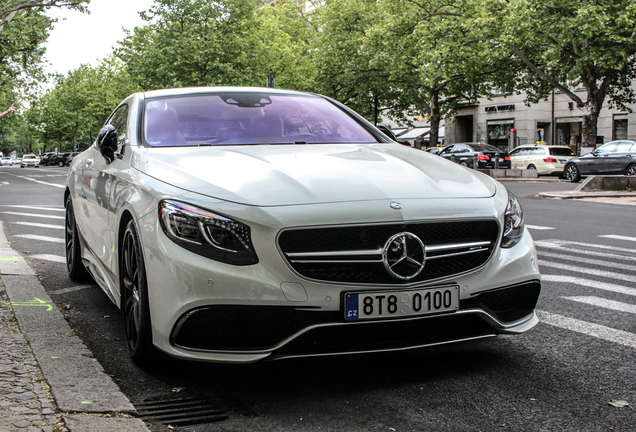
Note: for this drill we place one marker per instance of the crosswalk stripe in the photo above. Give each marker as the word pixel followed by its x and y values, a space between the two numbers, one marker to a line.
pixel 617 237
pixel 596 330
pixel 41 238
pixel 58 209
pixel 580 260
pixel 565 243
pixel 40 225
pixel 54 258
pixel 539 228
pixel 33 215
pixel 586 270
pixel 553 246
pixel 589 283
pixel 604 303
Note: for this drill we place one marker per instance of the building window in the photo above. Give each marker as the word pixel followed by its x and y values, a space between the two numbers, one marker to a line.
pixel 620 127
pixel 499 133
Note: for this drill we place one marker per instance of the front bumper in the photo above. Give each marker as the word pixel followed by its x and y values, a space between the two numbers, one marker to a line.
pixel 283 332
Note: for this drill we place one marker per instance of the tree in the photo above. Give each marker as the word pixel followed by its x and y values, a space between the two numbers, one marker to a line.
pixel 563 44
pixel 193 43
pixel 414 57
pixel 72 113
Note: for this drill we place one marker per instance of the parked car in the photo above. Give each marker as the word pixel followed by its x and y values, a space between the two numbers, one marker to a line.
pixel 238 224
pixel 5 161
pixel 546 159
pixel 616 157
pixel 48 158
pixel 70 157
pixel 434 150
pixel 61 159
pixel 464 154
pixel 30 160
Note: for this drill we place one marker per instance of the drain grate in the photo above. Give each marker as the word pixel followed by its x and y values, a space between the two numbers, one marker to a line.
pixel 186 409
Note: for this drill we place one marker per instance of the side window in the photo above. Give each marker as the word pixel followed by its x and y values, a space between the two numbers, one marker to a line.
pixel 120 122
pixel 606 148
pixel 516 152
pixel 539 151
pixel 448 150
pixel 624 147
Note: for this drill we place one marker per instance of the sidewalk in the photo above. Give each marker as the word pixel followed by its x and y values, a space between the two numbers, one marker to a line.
pixel 49 380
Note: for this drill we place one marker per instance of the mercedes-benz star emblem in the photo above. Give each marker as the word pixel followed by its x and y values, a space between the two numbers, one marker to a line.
pixel 395 205
pixel 404 256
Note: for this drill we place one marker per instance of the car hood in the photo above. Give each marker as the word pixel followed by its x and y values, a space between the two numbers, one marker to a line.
pixel 274 175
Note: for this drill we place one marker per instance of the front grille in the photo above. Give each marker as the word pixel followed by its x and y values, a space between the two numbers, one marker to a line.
pixel 353 254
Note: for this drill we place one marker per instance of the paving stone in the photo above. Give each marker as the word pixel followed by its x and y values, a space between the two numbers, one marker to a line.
pixel 24 405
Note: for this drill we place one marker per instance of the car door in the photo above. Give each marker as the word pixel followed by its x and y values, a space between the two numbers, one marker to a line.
pixel 96 178
pixel 619 158
pixel 517 158
pixel 598 161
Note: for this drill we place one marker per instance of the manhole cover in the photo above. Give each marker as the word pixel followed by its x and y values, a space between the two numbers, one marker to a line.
pixel 187 409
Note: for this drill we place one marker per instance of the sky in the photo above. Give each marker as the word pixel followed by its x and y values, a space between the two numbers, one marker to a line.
pixel 83 38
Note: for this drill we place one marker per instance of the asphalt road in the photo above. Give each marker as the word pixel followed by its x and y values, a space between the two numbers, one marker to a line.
pixel 560 376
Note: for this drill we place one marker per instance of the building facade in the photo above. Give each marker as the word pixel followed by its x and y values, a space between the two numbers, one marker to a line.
pixel 507 122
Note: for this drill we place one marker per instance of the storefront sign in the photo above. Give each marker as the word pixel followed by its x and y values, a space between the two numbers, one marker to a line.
pixel 500 108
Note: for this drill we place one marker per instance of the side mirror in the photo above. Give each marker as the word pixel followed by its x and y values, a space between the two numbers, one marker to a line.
pixel 386 131
pixel 107 142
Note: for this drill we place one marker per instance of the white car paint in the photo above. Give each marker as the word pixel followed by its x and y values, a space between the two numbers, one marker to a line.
pixel 272 189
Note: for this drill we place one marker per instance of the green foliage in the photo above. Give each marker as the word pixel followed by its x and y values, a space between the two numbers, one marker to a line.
pixel 193 43
pixel 565 44
pixel 72 113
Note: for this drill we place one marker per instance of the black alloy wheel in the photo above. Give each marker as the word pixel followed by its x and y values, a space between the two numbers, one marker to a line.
pixel 76 270
pixel 135 298
pixel 572 173
pixel 631 170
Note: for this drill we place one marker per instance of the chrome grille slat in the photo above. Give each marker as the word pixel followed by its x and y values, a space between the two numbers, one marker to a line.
pixel 353 254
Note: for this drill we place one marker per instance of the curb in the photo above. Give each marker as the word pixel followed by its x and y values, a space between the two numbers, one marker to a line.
pixel 87 399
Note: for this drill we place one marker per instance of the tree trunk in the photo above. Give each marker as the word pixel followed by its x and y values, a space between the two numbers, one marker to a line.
pixel 435 118
pixel 590 125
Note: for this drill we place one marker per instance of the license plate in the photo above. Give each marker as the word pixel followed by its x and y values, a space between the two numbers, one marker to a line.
pixel 397 304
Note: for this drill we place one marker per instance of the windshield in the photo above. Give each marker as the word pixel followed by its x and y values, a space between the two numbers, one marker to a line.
pixel 248 118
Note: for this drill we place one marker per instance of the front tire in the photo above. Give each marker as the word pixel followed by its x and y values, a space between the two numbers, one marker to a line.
pixel 631 170
pixel 572 173
pixel 532 167
pixel 76 270
pixel 135 298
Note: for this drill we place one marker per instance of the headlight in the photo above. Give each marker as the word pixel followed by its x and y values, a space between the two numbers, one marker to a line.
pixel 513 222
pixel 206 233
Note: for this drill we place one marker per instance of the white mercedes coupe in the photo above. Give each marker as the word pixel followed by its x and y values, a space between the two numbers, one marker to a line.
pixel 238 224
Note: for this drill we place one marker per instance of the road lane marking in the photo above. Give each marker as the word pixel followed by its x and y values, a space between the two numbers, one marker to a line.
pixel 539 228
pixel 71 289
pixel 38 181
pixel 40 225
pixel 604 303
pixel 33 215
pixel 46 257
pixel 590 329
pixel 41 238
pixel 600 263
pixel 586 270
pixel 565 243
pixel 546 245
pixel 58 209
pixel 617 237
pixel 589 283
